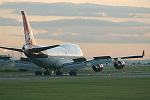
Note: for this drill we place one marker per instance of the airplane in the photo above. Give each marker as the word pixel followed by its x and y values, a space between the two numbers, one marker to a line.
pixel 66 57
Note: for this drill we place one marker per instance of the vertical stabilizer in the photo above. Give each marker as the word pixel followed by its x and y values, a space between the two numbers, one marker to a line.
pixel 29 38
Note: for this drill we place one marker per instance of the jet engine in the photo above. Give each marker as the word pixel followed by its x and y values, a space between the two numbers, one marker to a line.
pixel 25 49
pixel 119 64
pixel 97 68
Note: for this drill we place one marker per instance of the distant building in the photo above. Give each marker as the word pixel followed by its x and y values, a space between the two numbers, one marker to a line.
pixel 137 62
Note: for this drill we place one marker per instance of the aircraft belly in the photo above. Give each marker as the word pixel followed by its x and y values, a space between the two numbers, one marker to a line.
pixel 44 62
pixel 52 61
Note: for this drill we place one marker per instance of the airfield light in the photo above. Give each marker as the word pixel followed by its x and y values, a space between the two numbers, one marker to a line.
pixel 5 50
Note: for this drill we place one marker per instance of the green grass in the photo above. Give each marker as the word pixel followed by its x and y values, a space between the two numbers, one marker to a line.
pixel 109 88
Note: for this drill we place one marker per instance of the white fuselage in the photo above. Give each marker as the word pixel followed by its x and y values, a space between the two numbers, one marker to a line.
pixel 58 56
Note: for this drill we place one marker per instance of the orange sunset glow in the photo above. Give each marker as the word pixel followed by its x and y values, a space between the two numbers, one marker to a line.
pixel 99 27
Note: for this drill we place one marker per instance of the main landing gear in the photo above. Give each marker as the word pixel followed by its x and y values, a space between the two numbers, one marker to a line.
pixel 47 72
pixel 38 73
pixel 73 73
pixel 59 72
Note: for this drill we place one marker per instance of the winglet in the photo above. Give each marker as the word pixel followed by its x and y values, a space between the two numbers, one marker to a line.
pixel 143 54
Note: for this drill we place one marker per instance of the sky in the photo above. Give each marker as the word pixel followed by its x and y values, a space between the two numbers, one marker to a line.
pixel 99 27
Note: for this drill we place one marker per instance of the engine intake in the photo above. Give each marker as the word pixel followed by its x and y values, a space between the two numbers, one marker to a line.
pixel 119 64
pixel 97 68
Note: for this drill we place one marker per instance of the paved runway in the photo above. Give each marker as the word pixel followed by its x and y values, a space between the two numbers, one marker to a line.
pixel 78 76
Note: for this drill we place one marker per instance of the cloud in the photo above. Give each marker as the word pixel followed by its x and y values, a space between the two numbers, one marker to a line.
pixel 133 3
pixel 87 22
pixel 82 30
pixel 147 35
pixel 9 22
pixel 122 35
pixel 60 33
pixel 92 31
pixel 140 15
pixel 70 9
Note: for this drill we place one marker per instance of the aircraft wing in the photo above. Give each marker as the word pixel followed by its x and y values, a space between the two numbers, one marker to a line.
pixel 133 56
pixel 75 64
pixel 96 63
pixel 23 64
pixel 80 63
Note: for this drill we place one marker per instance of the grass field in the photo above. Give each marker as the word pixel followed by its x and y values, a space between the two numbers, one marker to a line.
pixel 109 88
pixel 102 88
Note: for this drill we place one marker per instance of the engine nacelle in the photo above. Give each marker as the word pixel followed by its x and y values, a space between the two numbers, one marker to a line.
pixel 97 68
pixel 25 49
pixel 119 64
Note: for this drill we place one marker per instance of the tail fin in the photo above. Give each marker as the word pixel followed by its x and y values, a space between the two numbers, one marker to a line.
pixel 29 38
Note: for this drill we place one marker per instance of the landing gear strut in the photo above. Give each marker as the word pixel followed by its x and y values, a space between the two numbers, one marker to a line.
pixel 59 72
pixel 73 73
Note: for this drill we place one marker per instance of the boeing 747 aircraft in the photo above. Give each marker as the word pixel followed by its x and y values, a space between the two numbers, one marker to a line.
pixel 66 57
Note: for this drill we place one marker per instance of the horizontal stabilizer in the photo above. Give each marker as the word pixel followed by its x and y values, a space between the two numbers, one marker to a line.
pixel 102 57
pixel 42 49
pixel 14 49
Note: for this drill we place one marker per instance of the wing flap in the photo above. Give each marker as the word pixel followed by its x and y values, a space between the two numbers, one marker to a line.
pixel 79 59
pixel 102 57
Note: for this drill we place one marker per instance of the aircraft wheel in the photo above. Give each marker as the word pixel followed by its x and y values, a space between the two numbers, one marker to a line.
pixel 47 73
pixel 73 73
pixel 38 73
pixel 70 74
